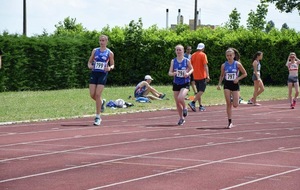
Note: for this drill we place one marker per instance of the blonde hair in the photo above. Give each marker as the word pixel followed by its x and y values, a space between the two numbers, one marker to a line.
pixel 179 46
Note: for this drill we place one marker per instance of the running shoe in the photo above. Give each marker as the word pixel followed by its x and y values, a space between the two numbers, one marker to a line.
pixel 181 121
pixel 240 99
pixel 97 121
pixel 202 108
pixel 294 103
pixel 192 106
pixel 292 106
pixel 103 105
pixel 162 96
pixel 229 126
pixel 184 112
pixel 256 104
pixel 250 101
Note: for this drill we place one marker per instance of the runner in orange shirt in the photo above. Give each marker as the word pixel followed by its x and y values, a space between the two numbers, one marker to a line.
pixel 201 75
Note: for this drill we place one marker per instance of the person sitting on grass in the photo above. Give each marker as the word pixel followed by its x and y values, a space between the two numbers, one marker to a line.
pixel 143 89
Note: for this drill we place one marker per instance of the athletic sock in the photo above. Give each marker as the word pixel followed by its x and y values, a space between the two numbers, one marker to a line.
pixel 97 115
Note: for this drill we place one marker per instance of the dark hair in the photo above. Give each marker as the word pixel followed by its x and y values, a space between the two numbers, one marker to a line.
pixel 237 54
pixel 187 47
pixel 256 55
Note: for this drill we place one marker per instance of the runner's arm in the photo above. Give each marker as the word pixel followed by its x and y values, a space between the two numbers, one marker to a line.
pixel 91 60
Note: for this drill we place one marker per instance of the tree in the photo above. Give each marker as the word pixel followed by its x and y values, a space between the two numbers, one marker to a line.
pixel 68 26
pixel 256 20
pixel 270 25
pixel 180 28
pixel 284 26
pixel 285 5
pixel 234 20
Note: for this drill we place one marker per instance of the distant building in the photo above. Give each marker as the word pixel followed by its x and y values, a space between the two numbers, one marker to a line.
pixel 180 20
pixel 191 24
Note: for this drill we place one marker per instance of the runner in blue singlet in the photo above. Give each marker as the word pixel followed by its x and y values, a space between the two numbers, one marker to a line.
pixel 230 75
pixel 98 63
pixel 180 69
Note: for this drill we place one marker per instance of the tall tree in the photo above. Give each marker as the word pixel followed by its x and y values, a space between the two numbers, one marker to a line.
pixel 269 26
pixel 285 26
pixel 285 5
pixel 69 25
pixel 234 20
pixel 257 20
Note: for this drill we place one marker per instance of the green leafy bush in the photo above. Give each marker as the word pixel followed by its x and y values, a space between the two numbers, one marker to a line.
pixel 59 61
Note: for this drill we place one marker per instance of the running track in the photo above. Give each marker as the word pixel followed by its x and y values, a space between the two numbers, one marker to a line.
pixel 149 151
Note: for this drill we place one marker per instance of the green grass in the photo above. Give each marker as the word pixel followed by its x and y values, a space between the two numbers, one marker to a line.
pixel 37 105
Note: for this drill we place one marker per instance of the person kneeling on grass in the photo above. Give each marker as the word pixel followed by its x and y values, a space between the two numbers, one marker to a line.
pixel 143 89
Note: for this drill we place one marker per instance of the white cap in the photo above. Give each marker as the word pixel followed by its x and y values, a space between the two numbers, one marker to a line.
pixel 201 46
pixel 148 77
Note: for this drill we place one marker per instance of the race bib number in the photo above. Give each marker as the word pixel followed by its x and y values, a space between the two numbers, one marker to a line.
pixel 99 65
pixel 180 73
pixel 230 76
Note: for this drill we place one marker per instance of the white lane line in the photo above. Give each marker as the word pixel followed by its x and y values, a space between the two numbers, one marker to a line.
pixel 56 121
pixel 228 162
pixel 184 168
pixel 271 112
pixel 86 136
pixel 158 152
pixel 144 131
pixel 121 143
pixel 133 125
pixel 260 179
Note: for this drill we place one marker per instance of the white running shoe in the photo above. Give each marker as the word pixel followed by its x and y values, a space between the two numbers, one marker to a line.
pixel 181 121
pixel 103 105
pixel 229 126
pixel 250 101
pixel 97 121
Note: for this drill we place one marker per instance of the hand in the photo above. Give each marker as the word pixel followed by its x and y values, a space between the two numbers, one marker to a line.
pixel 186 75
pixel 236 81
pixel 207 79
pixel 219 87
pixel 90 66
pixel 107 68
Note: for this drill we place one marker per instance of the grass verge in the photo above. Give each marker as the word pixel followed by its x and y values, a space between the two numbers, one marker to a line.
pixel 38 105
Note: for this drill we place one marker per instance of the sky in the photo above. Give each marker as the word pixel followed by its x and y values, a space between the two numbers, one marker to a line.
pixel 96 14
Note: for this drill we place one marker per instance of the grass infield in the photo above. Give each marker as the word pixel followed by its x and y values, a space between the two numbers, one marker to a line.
pixel 42 105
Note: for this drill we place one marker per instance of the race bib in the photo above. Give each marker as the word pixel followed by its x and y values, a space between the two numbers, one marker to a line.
pixel 99 65
pixel 230 76
pixel 180 73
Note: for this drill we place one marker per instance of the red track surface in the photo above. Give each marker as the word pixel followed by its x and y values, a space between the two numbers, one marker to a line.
pixel 149 151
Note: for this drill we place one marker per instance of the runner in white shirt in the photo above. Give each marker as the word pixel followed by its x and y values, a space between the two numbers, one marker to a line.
pixel 293 64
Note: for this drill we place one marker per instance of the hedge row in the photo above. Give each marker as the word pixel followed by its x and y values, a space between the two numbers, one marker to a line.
pixel 60 62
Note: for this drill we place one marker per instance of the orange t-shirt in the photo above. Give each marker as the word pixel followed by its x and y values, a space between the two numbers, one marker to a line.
pixel 199 60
